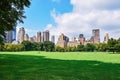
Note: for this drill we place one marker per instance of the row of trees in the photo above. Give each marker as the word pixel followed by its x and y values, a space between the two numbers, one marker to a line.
pixel 39 46
pixel 88 47
pixel 113 45
pixel 29 46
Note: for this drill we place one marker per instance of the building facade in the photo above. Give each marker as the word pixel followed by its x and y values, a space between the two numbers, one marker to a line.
pixel 26 37
pixel 38 36
pixel 53 38
pixel 9 36
pixel 46 36
pixel 81 39
pixel 14 34
pixel 106 38
pixel 62 41
pixel 95 36
pixel 73 43
pixel 21 34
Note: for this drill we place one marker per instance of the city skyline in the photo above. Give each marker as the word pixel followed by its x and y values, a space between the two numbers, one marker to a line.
pixel 45 36
pixel 73 16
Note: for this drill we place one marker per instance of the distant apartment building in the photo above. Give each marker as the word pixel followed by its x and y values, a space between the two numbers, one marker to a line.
pixel 95 36
pixel 14 34
pixel 45 36
pixel 9 36
pixel 62 41
pixel 26 37
pixel 106 38
pixel 21 34
pixel 34 39
pixel 39 37
pixel 81 39
pixel 73 42
pixel 31 39
pixel 53 38
pixel 87 41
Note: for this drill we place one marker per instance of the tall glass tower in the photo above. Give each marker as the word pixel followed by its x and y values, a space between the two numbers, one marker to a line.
pixel 14 33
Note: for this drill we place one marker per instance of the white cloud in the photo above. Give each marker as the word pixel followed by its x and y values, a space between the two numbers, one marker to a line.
pixel 87 15
pixel 95 4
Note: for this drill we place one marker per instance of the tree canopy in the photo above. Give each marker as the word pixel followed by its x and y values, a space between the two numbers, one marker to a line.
pixel 11 12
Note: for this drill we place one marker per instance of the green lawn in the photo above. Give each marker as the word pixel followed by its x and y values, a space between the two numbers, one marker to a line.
pixel 59 66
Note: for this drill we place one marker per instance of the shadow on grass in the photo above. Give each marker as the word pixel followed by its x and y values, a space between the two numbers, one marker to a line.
pixel 19 67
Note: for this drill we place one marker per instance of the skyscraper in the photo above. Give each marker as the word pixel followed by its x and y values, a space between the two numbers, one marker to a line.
pixel 62 41
pixel 38 36
pixel 95 36
pixel 21 34
pixel 46 36
pixel 81 36
pixel 34 39
pixel 73 42
pixel 14 33
pixel 53 38
pixel 9 36
pixel 26 37
pixel 81 39
pixel 106 38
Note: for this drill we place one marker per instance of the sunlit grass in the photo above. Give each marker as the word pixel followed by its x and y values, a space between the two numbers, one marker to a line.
pixel 35 65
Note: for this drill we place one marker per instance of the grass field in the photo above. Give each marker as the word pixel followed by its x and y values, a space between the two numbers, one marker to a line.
pixel 59 66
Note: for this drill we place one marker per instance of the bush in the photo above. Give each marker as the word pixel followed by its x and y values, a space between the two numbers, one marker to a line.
pixel 80 48
pixel 90 47
pixel 59 49
pixel 13 47
pixel 27 45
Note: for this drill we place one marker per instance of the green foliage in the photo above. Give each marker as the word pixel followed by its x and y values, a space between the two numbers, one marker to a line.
pixel 27 45
pixel 103 47
pixel 80 48
pixel 111 44
pixel 35 46
pixel 70 49
pixel 48 46
pixel 13 47
pixel 11 12
pixel 1 47
pixel 59 49
pixel 117 46
pixel 40 46
pixel 90 47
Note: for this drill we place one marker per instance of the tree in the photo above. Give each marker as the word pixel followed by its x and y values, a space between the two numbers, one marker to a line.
pixel 40 46
pixel 117 46
pixel 34 46
pixel 111 43
pixel 48 46
pixel 11 12
pixel 60 49
pixel 90 47
pixel 80 48
pixel 13 47
pixel 27 45
pixel 70 49
pixel 102 47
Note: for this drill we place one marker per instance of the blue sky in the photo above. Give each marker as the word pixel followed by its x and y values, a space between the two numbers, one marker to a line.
pixel 73 17
pixel 39 13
